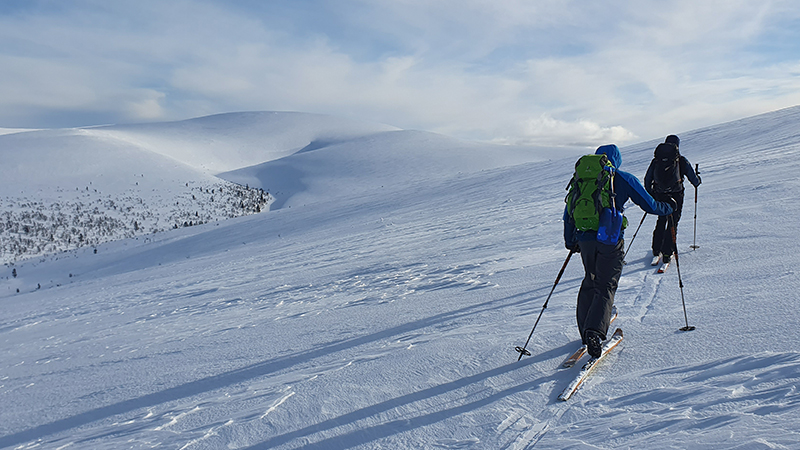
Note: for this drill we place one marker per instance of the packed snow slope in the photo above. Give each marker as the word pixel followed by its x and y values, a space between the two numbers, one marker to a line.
pixel 386 317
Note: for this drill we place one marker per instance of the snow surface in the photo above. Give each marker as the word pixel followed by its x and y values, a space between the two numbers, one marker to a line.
pixel 232 141
pixel 14 130
pixel 377 305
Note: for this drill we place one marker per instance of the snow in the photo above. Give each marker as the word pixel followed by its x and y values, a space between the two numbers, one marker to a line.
pixel 232 141
pixel 378 302
pixel 14 130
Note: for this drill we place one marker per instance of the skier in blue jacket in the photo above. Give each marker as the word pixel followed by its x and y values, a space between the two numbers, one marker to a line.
pixel 602 263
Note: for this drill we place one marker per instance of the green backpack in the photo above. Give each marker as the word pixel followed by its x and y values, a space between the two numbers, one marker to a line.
pixel 590 190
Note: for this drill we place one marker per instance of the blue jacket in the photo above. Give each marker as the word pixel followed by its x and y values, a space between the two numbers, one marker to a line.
pixel 627 187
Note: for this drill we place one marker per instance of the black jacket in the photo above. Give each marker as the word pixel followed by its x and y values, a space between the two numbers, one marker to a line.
pixel 686 171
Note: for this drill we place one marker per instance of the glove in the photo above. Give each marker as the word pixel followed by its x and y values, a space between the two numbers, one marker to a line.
pixel 573 248
pixel 699 180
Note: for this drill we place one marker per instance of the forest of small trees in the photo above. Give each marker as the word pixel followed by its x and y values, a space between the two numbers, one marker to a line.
pixel 30 228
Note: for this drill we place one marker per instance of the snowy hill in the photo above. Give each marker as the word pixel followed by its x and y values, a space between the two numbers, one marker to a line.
pixel 389 161
pixel 381 310
pixel 68 189
pixel 232 141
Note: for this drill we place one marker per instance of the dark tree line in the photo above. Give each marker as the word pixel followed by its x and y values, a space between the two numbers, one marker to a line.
pixel 31 228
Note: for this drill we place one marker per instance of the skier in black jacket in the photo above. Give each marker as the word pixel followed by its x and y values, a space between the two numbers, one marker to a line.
pixel 664 179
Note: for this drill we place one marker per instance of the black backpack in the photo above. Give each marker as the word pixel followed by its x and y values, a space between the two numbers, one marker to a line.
pixel 666 169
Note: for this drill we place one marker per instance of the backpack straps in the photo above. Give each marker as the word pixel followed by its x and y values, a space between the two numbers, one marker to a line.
pixel 606 176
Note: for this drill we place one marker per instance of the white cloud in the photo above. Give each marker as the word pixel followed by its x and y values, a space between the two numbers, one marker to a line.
pixel 146 106
pixel 518 71
pixel 545 130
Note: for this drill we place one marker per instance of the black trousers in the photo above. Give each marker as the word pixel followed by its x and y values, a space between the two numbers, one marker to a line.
pixel 602 265
pixel 662 234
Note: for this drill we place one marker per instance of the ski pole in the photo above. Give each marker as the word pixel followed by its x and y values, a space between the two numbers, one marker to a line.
pixel 694 242
pixel 678 266
pixel 522 350
pixel 634 237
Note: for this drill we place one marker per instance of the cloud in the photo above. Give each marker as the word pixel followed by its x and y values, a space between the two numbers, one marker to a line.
pixel 545 130
pixel 544 72
pixel 146 105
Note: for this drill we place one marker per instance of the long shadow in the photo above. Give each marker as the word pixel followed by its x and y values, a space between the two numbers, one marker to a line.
pixel 250 372
pixel 639 264
pixel 363 435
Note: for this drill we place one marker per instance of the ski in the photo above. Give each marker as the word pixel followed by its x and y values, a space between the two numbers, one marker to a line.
pixel 573 358
pixel 587 369
pixel 656 260
pixel 663 268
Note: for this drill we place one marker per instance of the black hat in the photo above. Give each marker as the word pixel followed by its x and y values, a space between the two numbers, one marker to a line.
pixel 672 139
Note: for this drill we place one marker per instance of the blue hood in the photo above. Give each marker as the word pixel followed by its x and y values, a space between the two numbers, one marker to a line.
pixel 612 151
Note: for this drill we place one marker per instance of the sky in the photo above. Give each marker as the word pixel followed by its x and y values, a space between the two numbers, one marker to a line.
pixel 547 72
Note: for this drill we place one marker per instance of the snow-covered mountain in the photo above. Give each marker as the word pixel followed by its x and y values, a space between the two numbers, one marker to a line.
pixel 378 303
pixel 232 141
pixel 73 188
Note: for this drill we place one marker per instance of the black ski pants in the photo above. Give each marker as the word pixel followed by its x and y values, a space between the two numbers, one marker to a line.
pixel 602 265
pixel 662 234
